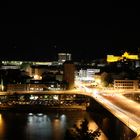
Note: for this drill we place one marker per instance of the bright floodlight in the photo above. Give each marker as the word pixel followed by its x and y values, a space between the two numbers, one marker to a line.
pixel 37 77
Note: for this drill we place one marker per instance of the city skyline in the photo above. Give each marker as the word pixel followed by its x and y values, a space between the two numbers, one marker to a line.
pixel 69 77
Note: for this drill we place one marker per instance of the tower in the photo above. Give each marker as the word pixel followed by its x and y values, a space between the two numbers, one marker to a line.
pixel 69 73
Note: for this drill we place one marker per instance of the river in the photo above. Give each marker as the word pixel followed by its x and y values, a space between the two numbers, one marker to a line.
pixel 52 125
pixel 41 126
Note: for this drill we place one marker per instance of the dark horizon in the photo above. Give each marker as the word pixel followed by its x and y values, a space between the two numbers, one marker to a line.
pixel 42 37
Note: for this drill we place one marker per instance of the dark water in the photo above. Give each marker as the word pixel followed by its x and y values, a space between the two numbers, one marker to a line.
pixel 53 125
pixel 40 126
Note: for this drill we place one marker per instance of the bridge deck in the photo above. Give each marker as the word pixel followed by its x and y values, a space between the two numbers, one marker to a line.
pixel 124 109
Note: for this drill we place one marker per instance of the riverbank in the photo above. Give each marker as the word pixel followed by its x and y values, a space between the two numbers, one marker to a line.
pixel 39 108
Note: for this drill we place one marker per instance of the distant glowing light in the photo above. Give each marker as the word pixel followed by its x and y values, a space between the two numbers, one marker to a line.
pixel 37 77
pixel 40 114
pixel 31 97
pixel 52 86
pixel 30 114
pixel 55 97
pixel 36 97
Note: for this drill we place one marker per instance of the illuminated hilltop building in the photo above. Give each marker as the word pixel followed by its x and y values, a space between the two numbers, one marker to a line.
pixel 112 58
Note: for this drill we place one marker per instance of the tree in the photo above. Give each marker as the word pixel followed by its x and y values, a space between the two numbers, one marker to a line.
pixel 82 133
pixel 106 78
pixel 48 76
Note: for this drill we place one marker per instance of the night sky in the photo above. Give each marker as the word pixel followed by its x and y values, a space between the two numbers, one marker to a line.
pixel 87 37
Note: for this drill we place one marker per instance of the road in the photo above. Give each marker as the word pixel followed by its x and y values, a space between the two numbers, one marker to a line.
pixel 124 109
pixel 125 104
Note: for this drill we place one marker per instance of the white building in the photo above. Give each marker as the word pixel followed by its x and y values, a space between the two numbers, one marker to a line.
pixel 62 57
pixel 88 74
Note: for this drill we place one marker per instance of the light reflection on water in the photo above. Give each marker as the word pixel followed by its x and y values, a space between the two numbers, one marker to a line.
pixel 53 125
pixel 39 126
pixel 1 125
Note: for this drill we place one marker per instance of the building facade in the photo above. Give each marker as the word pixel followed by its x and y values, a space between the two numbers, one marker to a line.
pixel 62 57
pixel 126 84
pixel 112 58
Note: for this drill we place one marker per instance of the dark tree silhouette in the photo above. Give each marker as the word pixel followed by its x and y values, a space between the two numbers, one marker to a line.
pixel 82 133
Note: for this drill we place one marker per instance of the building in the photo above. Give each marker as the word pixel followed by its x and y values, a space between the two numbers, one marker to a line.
pixel 88 74
pixel 112 58
pixel 69 74
pixel 126 84
pixel 62 57
pixel 10 67
pixel 19 63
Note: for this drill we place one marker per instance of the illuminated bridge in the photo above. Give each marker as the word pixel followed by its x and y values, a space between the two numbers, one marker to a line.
pixel 127 111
